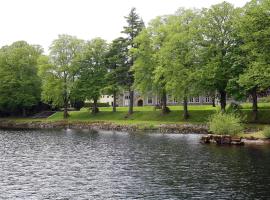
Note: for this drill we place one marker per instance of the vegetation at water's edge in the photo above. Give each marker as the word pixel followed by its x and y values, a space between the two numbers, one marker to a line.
pixel 146 114
pixel 266 132
pixel 225 124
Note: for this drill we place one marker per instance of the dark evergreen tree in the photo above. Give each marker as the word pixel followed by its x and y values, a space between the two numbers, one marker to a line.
pixel 134 26
pixel 116 63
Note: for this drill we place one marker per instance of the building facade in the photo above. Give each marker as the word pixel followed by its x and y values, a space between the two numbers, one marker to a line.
pixel 150 100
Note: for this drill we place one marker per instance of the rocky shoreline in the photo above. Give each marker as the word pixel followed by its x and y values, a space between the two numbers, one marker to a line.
pixel 164 128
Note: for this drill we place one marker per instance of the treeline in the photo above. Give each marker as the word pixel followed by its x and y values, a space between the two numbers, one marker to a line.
pixel 219 51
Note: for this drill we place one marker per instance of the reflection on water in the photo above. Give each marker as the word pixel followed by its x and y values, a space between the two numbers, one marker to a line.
pixel 72 164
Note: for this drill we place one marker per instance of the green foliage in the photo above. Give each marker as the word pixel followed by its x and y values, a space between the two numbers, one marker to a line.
pixel 265 99
pixel 58 70
pixel 220 49
pixel 90 105
pixel 254 31
pixel 134 26
pixel 19 82
pixel 180 53
pixel 234 108
pixel 77 104
pixel 116 62
pixel 225 124
pixel 266 132
pixel 92 70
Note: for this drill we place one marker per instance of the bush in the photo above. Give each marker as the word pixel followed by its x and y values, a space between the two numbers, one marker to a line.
pixel 90 105
pixel 225 124
pixel 266 132
pixel 264 99
pixel 234 108
pixel 78 104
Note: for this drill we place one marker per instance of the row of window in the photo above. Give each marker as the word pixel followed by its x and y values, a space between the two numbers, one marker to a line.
pixel 106 96
pixel 191 100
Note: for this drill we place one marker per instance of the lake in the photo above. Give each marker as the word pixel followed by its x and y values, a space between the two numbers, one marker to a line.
pixel 83 164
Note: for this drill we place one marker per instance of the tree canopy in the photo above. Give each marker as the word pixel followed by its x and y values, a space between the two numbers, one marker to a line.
pixel 19 82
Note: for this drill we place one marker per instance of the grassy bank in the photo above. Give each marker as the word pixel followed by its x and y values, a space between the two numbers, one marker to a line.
pixel 199 114
pixel 148 117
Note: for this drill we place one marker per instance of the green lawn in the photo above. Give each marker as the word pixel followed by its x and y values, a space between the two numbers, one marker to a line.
pixel 147 115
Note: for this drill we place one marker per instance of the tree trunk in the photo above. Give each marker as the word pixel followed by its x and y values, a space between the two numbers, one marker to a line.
pixel 131 100
pixel 24 112
pixel 95 107
pixel 185 104
pixel 213 98
pixel 164 107
pixel 65 97
pixel 114 101
pixel 222 100
pixel 254 104
pixel 65 110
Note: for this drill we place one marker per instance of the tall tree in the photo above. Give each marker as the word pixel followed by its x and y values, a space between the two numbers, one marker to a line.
pixel 149 77
pixel 19 82
pixel 92 71
pixel 218 29
pixel 133 28
pixel 61 71
pixel 254 30
pixel 180 55
pixel 116 61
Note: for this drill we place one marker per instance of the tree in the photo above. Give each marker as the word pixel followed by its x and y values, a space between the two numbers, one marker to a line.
pixel 218 30
pixel 180 55
pixel 116 61
pixel 59 71
pixel 254 29
pixel 19 82
pixel 147 66
pixel 133 28
pixel 92 71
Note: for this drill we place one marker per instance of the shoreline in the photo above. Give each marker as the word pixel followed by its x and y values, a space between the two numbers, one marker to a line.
pixel 162 128
pixel 109 126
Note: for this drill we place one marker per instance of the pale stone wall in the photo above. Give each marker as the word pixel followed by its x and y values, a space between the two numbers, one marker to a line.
pixel 151 100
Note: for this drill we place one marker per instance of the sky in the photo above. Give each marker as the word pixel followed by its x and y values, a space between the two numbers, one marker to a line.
pixel 41 21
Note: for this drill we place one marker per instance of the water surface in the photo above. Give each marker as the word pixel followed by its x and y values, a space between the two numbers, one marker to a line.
pixel 73 164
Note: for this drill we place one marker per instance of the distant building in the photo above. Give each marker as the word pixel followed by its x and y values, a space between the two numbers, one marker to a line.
pixel 150 100
pixel 106 99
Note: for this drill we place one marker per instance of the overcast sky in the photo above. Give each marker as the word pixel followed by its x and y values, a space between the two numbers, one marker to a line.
pixel 41 21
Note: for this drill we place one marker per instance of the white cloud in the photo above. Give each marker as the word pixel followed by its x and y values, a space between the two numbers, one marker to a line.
pixel 40 21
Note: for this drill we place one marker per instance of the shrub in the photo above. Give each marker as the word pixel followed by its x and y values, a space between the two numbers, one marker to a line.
pixel 90 105
pixel 78 105
pixel 234 108
pixel 266 132
pixel 225 124
pixel 264 99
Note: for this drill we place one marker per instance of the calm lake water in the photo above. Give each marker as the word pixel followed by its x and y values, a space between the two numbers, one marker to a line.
pixel 73 164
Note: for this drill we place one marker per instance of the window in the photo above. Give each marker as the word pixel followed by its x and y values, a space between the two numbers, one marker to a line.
pixel 127 97
pixel 108 96
pixel 207 99
pixel 175 100
pixel 169 98
pixel 150 100
pixel 191 100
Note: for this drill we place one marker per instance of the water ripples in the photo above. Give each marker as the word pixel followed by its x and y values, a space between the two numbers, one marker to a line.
pixel 73 164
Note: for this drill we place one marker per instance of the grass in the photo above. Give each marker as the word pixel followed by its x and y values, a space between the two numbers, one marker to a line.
pixel 146 115
pixel 258 134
